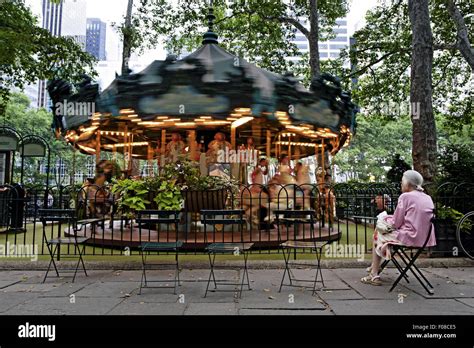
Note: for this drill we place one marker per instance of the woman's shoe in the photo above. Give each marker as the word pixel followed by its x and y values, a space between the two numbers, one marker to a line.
pixel 372 280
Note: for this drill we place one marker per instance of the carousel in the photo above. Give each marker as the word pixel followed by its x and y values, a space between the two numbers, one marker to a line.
pixel 228 116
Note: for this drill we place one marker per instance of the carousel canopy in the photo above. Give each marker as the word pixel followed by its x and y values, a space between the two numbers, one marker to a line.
pixel 209 89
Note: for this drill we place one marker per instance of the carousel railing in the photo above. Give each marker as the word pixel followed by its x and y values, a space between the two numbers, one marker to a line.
pixel 344 214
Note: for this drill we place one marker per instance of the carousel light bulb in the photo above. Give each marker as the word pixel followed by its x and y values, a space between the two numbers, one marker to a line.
pixel 185 124
pixel 243 110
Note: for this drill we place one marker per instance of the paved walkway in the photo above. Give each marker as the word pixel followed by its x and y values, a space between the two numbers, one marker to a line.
pixel 116 292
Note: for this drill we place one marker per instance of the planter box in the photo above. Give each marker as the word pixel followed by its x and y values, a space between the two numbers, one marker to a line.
pixel 445 232
pixel 195 201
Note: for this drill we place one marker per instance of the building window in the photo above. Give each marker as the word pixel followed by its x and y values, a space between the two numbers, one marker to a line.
pixel 323 46
pixel 302 46
pixel 337 47
pixel 300 38
pixel 340 30
pixel 340 39
pixel 334 54
pixel 323 54
pixel 341 22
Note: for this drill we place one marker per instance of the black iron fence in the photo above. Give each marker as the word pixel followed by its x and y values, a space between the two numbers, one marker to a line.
pixel 345 216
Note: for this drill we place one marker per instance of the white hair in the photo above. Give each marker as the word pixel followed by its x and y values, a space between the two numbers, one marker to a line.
pixel 414 179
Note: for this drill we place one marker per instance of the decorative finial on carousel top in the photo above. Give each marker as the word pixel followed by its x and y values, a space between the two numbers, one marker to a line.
pixel 210 37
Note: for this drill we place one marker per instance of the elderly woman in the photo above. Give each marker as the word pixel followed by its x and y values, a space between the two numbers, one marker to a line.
pixel 408 225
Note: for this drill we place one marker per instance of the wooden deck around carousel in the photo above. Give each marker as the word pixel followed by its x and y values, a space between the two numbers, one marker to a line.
pixel 121 235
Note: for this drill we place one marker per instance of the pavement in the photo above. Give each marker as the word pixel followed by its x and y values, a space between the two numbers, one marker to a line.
pixel 115 292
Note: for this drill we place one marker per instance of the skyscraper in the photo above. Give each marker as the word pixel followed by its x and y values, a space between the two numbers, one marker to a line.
pixel 327 49
pixel 67 18
pixel 95 38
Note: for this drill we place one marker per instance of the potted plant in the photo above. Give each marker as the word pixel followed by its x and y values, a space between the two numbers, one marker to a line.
pixel 445 230
pixel 165 194
pixel 133 195
pixel 199 192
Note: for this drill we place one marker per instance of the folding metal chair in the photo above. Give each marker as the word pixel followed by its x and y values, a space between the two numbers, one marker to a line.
pixel 157 217
pixel 63 217
pixel 400 251
pixel 296 218
pixel 237 248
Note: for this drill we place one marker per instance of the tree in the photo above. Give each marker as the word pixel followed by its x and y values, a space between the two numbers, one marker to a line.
pixel 424 128
pixel 456 164
pixel 383 58
pixel 127 35
pixel 25 120
pixel 462 43
pixel 399 166
pixel 260 31
pixel 370 152
pixel 29 53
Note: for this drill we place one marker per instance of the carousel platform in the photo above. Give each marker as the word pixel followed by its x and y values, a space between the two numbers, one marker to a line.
pixel 194 238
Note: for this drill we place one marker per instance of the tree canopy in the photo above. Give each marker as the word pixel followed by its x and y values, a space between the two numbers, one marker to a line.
pixel 29 53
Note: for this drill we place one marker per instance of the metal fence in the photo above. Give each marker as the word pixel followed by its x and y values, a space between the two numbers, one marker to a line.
pixel 345 215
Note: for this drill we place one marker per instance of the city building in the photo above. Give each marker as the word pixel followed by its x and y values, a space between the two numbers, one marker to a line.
pixel 95 38
pixel 327 49
pixel 67 18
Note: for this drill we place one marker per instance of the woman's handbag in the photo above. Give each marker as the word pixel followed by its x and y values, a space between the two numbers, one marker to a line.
pixel 383 226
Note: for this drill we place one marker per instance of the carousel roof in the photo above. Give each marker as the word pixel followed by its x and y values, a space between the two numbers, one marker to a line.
pixel 208 88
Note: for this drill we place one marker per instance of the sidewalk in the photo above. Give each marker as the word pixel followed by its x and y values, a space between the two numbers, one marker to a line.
pixel 108 292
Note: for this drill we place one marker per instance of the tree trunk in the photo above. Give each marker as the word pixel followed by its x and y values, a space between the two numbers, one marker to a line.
pixel 463 43
pixel 314 38
pixel 424 127
pixel 127 47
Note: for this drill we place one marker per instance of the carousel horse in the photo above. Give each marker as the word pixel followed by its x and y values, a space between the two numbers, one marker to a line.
pixel 281 193
pixel 254 197
pixel 303 181
pixel 99 198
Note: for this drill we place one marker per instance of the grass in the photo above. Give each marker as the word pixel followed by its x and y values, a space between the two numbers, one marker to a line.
pixel 352 234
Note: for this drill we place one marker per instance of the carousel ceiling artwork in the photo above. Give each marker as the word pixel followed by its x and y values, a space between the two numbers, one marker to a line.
pixel 209 89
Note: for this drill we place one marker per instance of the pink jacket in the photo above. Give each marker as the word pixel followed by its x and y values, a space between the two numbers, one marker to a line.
pixel 412 219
